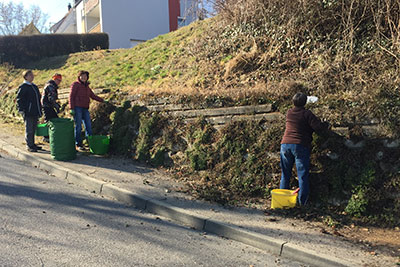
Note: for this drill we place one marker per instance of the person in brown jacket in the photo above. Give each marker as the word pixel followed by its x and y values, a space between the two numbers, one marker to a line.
pixel 79 101
pixel 296 144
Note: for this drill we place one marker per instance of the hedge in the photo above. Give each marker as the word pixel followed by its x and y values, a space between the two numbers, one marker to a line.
pixel 19 50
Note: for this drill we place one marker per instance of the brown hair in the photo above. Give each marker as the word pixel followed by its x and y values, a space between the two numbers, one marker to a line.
pixel 26 73
pixel 83 72
pixel 299 100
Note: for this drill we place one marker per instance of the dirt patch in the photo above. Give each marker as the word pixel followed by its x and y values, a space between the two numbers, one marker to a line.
pixel 375 239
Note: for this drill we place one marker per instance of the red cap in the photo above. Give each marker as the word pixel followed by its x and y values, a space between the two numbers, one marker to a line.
pixel 57 76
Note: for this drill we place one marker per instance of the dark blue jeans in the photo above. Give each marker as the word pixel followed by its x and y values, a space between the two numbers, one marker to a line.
pixel 82 114
pixel 299 154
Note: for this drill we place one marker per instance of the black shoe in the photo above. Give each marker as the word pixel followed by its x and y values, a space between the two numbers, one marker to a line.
pixel 81 148
pixel 30 149
pixel 37 147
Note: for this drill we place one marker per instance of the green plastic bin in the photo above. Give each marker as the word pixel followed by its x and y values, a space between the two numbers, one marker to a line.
pixel 99 144
pixel 42 130
pixel 62 139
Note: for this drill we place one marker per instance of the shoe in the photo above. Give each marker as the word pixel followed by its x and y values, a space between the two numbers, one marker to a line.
pixel 30 149
pixel 81 148
pixel 37 147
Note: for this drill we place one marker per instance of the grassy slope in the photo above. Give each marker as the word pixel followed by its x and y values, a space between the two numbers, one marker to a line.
pixel 152 64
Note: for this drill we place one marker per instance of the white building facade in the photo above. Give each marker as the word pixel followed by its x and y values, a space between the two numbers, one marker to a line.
pixel 128 22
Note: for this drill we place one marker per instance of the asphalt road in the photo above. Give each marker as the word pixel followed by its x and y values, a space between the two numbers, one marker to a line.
pixel 44 221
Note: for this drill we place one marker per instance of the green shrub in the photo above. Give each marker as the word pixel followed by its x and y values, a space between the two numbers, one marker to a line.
pixel 199 153
pixel 158 157
pixel 149 123
pixel 357 205
pixel 199 157
pixel 124 128
pixel 20 50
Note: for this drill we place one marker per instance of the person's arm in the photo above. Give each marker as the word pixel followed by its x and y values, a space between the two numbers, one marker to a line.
pixel 43 95
pixel 316 124
pixel 21 99
pixel 72 95
pixel 95 97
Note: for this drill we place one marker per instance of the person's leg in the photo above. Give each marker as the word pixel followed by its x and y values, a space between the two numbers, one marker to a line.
pixel 30 128
pixel 78 126
pixel 49 114
pixel 87 122
pixel 302 155
pixel 287 161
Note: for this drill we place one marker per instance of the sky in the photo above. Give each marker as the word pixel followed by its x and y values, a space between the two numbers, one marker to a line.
pixel 56 9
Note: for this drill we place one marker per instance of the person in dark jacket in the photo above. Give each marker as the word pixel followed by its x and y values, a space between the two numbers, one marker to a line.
pixel 79 101
pixel 49 99
pixel 29 106
pixel 296 144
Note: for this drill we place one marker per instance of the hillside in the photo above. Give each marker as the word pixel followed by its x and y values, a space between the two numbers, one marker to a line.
pixel 346 54
pixel 238 68
pixel 157 63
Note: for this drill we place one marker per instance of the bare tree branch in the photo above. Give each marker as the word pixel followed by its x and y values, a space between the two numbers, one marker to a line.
pixel 14 17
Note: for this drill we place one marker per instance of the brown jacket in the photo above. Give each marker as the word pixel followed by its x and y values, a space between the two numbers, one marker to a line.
pixel 300 125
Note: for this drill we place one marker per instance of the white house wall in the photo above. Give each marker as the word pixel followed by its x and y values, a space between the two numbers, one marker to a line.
pixel 79 20
pixel 126 20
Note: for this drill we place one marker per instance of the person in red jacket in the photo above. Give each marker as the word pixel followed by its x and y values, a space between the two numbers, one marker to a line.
pixel 79 101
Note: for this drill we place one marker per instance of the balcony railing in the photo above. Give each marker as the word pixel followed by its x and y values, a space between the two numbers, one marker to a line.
pixel 90 4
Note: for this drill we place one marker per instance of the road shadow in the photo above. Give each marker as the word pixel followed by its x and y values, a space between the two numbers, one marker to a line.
pixel 94 210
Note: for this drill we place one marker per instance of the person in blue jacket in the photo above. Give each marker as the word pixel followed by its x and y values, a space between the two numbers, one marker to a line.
pixel 30 107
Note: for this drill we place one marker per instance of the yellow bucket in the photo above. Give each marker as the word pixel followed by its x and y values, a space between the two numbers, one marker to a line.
pixel 283 199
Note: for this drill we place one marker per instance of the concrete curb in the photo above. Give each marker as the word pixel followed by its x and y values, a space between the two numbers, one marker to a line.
pixel 249 238
pixel 272 245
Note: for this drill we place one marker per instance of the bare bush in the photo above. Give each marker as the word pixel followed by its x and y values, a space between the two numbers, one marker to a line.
pixel 14 17
pixel 345 51
pixel 352 22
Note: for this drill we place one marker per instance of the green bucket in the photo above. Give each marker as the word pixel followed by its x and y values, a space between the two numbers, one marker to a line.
pixel 42 130
pixel 99 144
